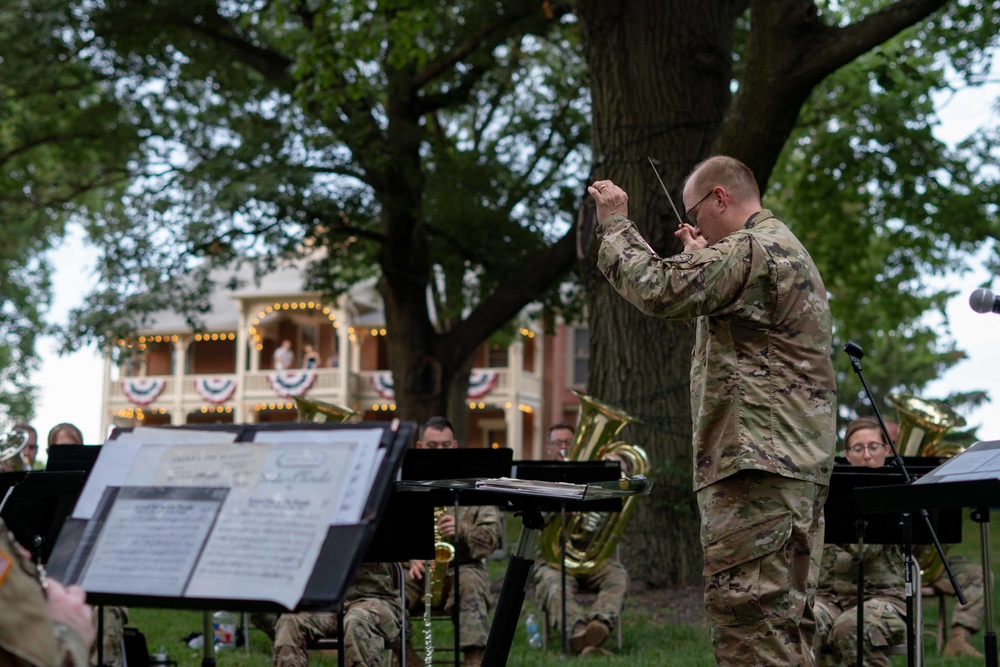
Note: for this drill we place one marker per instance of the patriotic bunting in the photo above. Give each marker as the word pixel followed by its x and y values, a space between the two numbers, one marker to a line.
pixel 291 383
pixel 142 391
pixel 215 390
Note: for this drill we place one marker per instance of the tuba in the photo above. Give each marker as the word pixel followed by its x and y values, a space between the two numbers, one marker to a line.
pixel 12 444
pixel 318 412
pixel 922 425
pixel 591 537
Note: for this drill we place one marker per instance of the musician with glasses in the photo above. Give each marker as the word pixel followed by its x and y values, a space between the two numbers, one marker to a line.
pixel 835 607
pixel 475 533
pixel 587 628
pixel 763 398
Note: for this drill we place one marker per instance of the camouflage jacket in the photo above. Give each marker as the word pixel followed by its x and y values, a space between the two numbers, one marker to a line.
pixel 477 531
pixel 28 636
pixel 373 580
pixel 884 572
pixel 763 392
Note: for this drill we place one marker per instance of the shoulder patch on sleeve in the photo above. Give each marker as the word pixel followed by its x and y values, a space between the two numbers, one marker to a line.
pixel 6 565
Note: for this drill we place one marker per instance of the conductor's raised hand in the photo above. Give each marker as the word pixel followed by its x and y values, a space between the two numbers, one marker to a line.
pixel 691 237
pixel 610 199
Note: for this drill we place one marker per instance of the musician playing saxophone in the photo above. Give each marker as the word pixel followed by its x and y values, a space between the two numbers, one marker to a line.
pixel 587 628
pixel 763 398
pixel 475 534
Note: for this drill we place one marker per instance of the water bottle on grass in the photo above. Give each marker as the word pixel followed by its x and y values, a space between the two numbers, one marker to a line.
pixel 534 636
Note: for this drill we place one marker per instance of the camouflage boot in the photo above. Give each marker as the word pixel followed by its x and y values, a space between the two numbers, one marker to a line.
pixel 473 657
pixel 958 643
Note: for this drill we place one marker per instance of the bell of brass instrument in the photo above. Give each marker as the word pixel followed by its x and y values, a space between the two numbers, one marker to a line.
pixel 591 537
pixel 319 412
pixel 12 444
pixel 437 570
pixel 922 425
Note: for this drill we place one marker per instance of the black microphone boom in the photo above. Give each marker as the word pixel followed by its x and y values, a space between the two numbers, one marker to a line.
pixel 984 301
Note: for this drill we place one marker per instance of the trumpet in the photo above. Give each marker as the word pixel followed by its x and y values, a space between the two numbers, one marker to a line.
pixel 12 444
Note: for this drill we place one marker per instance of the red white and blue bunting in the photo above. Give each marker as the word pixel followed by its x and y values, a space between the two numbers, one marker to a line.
pixel 215 390
pixel 480 384
pixel 291 383
pixel 382 382
pixel 142 391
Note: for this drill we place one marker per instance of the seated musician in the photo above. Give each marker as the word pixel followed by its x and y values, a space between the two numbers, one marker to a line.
pixel 372 615
pixel 835 607
pixel 40 624
pixel 475 534
pixel 965 619
pixel 588 628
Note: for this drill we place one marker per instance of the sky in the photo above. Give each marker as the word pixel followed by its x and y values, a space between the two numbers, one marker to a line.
pixel 71 386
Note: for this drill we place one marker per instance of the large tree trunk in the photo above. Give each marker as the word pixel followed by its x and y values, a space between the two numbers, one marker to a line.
pixel 660 85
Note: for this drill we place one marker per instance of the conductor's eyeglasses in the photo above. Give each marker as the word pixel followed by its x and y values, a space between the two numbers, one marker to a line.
pixel 871 447
pixel 689 216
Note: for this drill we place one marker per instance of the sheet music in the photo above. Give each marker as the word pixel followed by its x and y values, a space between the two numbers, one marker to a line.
pixel 117 456
pixel 536 487
pixel 363 468
pixel 969 465
pixel 150 540
pixel 260 542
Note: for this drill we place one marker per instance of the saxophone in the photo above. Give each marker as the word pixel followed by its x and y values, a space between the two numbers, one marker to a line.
pixel 593 536
pixel 437 569
pixel 434 578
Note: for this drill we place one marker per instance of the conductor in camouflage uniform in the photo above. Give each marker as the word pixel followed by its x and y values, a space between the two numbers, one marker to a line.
pixel 475 533
pixel 372 615
pixel 885 593
pixel 40 626
pixel 763 398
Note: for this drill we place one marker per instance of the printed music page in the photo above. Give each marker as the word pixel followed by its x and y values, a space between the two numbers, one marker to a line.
pixel 259 540
pixel 268 534
pixel 150 539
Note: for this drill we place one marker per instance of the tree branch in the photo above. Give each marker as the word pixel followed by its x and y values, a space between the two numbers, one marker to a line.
pixel 520 287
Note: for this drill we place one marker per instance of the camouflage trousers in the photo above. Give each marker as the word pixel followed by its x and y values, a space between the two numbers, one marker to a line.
pixel 970 578
pixel 610 582
pixel 368 624
pixel 837 629
pixel 474 602
pixel 115 619
pixel 758 531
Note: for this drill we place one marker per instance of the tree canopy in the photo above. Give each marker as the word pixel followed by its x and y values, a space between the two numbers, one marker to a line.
pixel 438 147
pixel 64 142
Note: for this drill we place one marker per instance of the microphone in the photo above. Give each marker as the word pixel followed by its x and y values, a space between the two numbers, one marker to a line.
pixel 853 350
pixel 984 301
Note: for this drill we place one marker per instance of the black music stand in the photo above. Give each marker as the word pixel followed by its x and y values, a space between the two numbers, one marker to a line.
pixel 327 577
pixel 437 464
pixel 529 505
pixel 971 479
pixel 574 472
pixel 38 506
pixel 847 523
pixel 65 458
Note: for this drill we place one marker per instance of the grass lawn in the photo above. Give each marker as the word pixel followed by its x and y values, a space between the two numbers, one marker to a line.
pixel 650 637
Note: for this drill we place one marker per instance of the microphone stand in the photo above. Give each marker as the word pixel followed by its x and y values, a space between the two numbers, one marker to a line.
pixel 855 353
